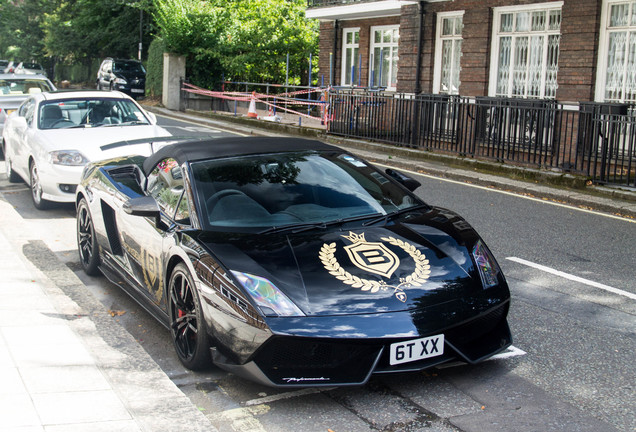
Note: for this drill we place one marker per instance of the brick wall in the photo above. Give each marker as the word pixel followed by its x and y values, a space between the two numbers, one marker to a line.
pixel 577 58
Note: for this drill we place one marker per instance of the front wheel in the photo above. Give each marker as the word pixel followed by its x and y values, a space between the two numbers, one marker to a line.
pixel 36 189
pixel 186 320
pixel 86 240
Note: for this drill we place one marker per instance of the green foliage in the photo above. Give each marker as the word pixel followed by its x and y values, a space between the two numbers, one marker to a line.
pixel 244 40
pixel 154 68
pixel 21 33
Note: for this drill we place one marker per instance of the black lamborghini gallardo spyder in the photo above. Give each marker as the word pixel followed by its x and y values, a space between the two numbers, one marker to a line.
pixel 291 262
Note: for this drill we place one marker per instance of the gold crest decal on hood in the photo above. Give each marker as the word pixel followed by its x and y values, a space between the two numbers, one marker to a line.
pixel 376 258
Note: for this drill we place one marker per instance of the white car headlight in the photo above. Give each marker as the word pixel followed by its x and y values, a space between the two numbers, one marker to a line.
pixel 268 297
pixel 68 157
pixel 488 268
pixel 121 81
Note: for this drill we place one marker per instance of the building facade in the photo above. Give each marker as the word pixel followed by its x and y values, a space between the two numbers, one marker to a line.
pixel 568 50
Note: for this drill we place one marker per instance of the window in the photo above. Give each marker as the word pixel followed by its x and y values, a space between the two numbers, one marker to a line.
pixel 525 58
pixel 616 80
pixel 165 184
pixel 351 57
pixel 384 57
pixel 448 52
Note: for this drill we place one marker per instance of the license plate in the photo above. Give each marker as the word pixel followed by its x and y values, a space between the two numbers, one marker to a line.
pixel 136 90
pixel 417 349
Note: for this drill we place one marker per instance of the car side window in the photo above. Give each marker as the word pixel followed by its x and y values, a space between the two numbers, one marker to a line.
pixel 27 109
pixel 165 184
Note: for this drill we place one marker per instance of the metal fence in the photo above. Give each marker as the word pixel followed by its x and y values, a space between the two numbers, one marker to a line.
pixel 597 140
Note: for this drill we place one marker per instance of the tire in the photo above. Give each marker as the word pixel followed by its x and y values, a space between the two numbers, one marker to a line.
pixel 11 175
pixel 86 241
pixel 36 189
pixel 187 325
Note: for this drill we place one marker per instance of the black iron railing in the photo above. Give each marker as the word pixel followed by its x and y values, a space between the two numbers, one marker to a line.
pixel 597 140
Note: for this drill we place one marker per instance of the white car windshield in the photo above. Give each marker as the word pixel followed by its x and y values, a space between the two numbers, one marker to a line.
pixel 19 87
pixel 78 113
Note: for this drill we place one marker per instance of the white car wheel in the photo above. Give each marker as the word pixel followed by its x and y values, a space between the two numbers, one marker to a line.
pixel 36 189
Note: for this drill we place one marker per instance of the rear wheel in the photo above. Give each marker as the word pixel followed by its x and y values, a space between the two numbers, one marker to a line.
pixel 186 320
pixel 86 241
pixel 36 189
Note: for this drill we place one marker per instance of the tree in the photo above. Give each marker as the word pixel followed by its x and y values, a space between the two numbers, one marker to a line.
pixel 245 40
pixel 21 33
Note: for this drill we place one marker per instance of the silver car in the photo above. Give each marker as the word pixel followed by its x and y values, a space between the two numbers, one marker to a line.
pixel 14 89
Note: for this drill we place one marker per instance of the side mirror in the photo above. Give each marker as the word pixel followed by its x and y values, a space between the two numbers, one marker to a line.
pixel 408 182
pixel 20 122
pixel 144 206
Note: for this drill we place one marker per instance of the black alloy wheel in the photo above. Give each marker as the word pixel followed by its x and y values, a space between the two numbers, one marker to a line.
pixel 186 321
pixel 86 241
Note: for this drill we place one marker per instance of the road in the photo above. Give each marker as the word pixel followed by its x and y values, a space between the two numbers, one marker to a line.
pixel 571 274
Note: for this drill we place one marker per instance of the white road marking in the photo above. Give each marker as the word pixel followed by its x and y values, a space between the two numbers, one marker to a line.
pixel 216 129
pixel 517 195
pixel 573 278
pixel 512 351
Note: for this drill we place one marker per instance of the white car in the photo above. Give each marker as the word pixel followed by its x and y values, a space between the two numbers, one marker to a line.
pixel 51 136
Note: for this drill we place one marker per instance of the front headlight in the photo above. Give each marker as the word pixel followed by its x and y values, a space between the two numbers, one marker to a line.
pixel 120 81
pixel 67 157
pixel 271 300
pixel 486 264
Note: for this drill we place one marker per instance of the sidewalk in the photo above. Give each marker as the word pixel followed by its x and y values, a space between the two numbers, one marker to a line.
pixel 57 372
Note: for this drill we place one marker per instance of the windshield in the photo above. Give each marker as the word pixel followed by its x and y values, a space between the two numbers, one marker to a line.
pixel 18 87
pixel 128 67
pixel 70 113
pixel 31 66
pixel 293 188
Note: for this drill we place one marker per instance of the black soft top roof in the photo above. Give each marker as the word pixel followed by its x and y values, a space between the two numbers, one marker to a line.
pixel 189 151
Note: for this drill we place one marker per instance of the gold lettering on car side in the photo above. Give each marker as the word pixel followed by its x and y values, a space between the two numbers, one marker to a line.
pixel 152 273
pixel 377 258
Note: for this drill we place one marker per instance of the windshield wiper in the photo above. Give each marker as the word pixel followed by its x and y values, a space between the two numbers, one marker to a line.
pixel 386 217
pixel 132 123
pixel 295 228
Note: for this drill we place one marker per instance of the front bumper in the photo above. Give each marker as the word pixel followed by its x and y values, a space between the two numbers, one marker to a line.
pixel 59 182
pixel 293 361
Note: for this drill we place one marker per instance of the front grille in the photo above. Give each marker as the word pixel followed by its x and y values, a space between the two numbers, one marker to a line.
pixel 340 361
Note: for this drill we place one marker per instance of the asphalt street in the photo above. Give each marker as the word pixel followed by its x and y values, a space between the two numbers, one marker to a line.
pixel 573 312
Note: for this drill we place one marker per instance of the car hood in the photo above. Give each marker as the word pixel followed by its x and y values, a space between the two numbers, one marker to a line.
pixel 102 142
pixel 131 75
pixel 404 265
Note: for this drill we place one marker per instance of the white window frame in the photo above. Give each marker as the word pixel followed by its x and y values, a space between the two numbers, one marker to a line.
pixel 439 40
pixel 373 45
pixel 601 69
pixel 345 46
pixel 494 55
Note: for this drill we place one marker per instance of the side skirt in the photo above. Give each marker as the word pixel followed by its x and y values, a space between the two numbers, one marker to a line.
pixel 129 286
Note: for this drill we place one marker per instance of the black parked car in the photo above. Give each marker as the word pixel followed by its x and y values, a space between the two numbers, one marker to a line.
pixel 291 262
pixel 127 76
